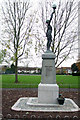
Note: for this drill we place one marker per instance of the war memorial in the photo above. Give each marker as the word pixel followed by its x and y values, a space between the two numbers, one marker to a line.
pixel 49 99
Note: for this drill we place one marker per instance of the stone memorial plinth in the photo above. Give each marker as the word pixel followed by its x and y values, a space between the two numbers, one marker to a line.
pixel 48 90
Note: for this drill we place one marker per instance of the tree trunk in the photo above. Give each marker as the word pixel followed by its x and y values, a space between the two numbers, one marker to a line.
pixel 16 71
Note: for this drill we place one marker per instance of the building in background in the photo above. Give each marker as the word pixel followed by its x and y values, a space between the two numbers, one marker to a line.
pixel 64 70
pixel 34 70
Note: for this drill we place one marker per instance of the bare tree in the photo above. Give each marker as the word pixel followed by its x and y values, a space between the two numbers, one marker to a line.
pixel 18 27
pixel 64 30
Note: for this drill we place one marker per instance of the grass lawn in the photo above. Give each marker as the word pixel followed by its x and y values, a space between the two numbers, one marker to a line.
pixel 68 81
pixel 26 81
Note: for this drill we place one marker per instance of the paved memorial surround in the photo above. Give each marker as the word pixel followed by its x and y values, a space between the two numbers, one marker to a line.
pixel 31 104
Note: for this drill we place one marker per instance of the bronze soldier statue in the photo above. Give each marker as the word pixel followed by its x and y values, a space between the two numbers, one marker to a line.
pixel 49 30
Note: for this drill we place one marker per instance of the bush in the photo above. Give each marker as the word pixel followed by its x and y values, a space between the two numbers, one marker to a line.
pixel 10 70
pixel 76 74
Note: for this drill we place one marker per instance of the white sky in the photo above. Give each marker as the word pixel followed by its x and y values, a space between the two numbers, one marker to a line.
pixel 38 62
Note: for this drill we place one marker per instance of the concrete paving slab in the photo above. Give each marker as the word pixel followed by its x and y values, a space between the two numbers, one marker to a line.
pixel 31 104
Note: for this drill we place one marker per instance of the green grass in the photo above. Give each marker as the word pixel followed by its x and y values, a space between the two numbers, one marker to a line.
pixel 24 81
pixel 64 81
pixel 68 81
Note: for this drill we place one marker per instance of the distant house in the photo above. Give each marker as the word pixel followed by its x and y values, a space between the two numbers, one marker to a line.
pixel 28 69
pixel 21 69
pixel 64 70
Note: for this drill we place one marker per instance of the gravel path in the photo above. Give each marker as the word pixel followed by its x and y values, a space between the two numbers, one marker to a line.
pixel 36 89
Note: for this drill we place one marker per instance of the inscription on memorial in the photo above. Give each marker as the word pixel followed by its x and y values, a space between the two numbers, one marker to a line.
pixel 48 70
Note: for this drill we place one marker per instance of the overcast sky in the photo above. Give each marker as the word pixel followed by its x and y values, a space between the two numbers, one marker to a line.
pixel 38 63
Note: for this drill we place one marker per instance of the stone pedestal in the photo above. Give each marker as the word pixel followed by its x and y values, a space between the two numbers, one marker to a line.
pixel 48 93
pixel 48 90
pixel 48 68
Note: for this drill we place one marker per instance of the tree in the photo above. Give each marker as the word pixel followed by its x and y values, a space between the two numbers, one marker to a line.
pixel 74 68
pixel 2 55
pixel 13 68
pixel 78 66
pixel 64 33
pixel 18 26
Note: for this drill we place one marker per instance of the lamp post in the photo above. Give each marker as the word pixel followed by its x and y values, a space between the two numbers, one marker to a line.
pixel 54 7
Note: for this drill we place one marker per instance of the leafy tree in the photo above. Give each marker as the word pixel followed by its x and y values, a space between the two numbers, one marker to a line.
pixel 74 67
pixel 13 68
pixel 17 30
pixel 2 55
pixel 78 66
